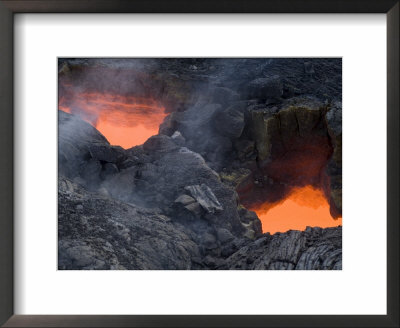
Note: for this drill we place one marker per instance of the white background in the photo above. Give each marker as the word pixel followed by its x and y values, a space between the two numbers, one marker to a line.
pixel 360 288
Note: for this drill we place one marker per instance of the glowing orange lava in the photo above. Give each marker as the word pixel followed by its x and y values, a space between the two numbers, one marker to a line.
pixel 124 120
pixel 304 206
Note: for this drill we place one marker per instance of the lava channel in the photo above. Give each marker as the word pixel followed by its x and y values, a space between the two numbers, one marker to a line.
pixel 302 207
pixel 125 121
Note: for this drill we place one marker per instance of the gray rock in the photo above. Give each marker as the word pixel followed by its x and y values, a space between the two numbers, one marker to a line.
pixel 205 197
pixel 189 204
pixel 309 68
pixel 194 208
pixel 212 262
pixel 245 148
pixel 224 236
pixel 230 121
pixel 334 118
pixel 161 143
pixel 109 169
pixel 185 200
pixel 313 249
pixel 320 257
pixel 209 241
pixel 170 123
pixel 126 164
pixel 83 255
pixel 75 136
pixel 115 235
pixel 178 138
pixel 334 168
pixel 265 88
pixel 106 153
pixel 122 186
pixel 247 216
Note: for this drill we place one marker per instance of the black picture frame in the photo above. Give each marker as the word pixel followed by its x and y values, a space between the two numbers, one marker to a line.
pixel 10 7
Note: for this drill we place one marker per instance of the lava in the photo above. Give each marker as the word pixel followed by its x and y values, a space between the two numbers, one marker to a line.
pixel 302 207
pixel 126 121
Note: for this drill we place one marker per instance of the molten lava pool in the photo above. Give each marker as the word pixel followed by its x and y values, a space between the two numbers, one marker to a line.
pixel 124 120
pixel 303 206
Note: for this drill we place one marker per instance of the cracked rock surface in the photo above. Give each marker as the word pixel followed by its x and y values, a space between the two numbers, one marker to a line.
pixel 312 249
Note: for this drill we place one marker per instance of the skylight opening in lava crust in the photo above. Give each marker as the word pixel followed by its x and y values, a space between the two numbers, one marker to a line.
pixel 125 121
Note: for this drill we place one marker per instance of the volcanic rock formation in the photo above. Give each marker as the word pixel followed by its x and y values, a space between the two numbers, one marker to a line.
pixel 237 133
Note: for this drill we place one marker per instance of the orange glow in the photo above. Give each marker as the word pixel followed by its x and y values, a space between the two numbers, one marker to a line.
pixel 64 109
pixel 126 137
pixel 124 120
pixel 304 206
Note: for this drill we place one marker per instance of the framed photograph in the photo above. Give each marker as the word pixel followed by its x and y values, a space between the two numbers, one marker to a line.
pixel 212 164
